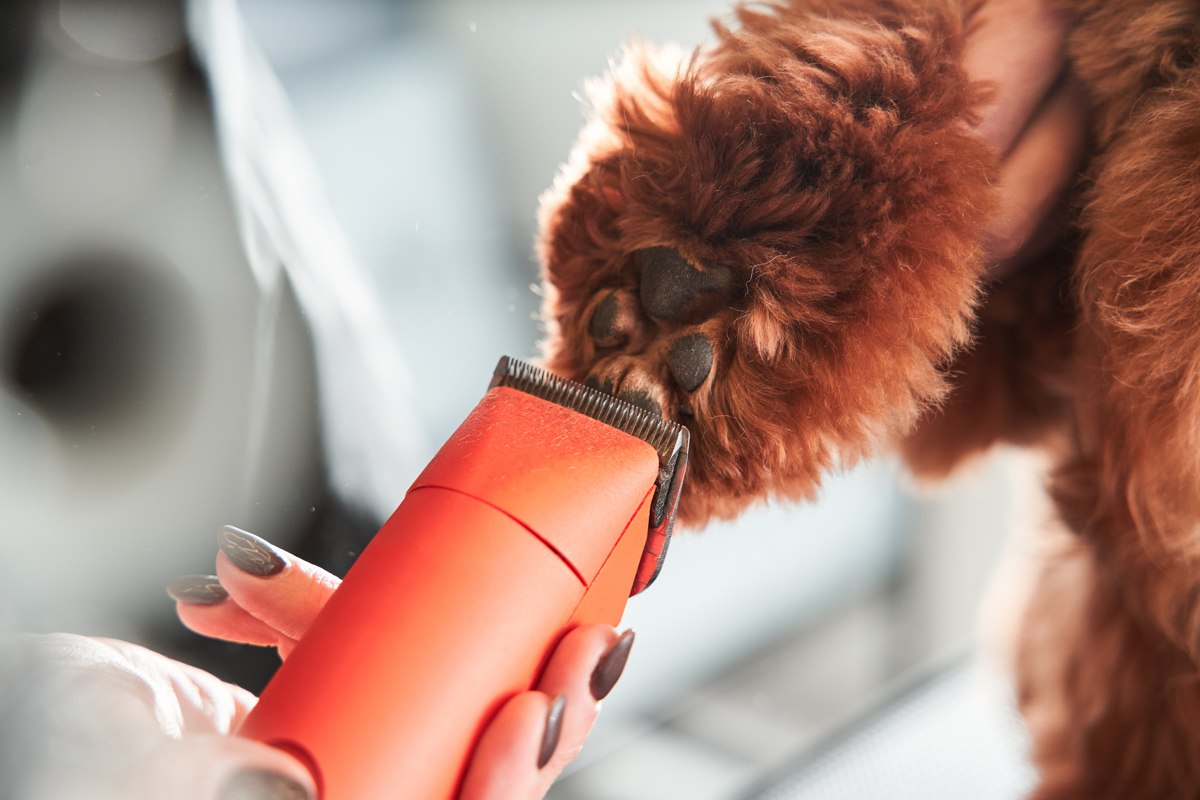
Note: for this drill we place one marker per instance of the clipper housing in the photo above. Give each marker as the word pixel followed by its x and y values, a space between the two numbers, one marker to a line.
pixel 669 439
pixel 548 507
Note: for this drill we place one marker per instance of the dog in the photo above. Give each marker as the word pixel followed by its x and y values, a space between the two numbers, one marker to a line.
pixel 779 242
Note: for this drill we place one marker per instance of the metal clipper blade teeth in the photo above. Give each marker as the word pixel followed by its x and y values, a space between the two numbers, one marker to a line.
pixel 669 439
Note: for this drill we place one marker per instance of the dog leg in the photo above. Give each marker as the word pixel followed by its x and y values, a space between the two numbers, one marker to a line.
pixel 1112 709
pixel 1129 687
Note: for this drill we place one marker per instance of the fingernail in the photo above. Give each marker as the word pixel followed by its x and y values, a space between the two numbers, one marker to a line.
pixel 197 590
pixel 258 784
pixel 250 553
pixel 553 730
pixel 610 666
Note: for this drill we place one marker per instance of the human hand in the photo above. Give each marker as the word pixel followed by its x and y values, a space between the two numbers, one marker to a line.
pixel 263 595
pixel 1036 120
pixel 107 720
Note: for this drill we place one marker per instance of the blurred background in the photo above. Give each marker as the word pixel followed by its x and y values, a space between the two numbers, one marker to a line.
pixel 257 262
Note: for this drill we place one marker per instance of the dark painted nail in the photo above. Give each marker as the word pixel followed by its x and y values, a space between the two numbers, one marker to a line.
pixel 197 590
pixel 610 666
pixel 641 399
pixel 554 718
pixel 690 359
pixel 250 553
pixel 670 283
pixel 258 784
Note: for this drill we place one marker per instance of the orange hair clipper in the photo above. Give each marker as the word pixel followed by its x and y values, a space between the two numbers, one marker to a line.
pixel 548 507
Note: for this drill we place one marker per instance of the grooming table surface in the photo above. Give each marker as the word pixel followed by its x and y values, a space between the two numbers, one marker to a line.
pixel 956 735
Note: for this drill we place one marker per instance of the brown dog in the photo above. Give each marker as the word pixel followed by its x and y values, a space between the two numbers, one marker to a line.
pixel 778 243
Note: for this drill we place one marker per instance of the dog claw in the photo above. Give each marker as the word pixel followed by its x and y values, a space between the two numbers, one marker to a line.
pixel 642 399
pixel 670 285
pixel 690 359
pixel 593 382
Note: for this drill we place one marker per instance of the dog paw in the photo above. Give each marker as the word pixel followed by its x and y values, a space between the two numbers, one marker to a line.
pixel 774 243
pixel 656 341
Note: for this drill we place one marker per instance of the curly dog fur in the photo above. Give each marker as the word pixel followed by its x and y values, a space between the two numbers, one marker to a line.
pixel 812 184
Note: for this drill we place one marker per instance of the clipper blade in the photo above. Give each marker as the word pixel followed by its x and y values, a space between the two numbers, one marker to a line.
pixel 669 439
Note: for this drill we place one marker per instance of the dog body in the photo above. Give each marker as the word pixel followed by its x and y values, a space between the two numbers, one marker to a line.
pixel 778 243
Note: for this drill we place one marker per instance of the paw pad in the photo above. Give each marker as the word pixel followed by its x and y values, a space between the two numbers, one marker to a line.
pixel 690 359
pixel 654 343
pixel 615 320
pixel 672 289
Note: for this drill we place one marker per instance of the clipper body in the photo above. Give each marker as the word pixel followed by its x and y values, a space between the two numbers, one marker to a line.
pixel 531 519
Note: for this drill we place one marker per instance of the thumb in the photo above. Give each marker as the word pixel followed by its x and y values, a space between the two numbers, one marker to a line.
pixel 215 767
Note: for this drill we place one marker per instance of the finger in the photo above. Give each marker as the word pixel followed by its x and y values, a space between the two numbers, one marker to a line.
pixel 515 757
pixel 187 700
pixel 203 605
pixel 1039 170
pixel 505 763
pixel 571 671
pixel 283 591
pixel 1019 48
pixel 230 622
pixel 212 767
